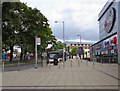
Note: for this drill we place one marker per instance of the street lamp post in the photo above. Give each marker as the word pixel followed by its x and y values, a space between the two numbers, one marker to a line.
pixel 80 39
pixel 80 44
pixel 36 55
pixel 63 42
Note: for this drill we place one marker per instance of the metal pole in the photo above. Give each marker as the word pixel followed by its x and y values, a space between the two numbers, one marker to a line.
pixel 109 61
pixel 118 33
pixel 71 63
pixel 80 54
pixel 59 64
pixel 63 58
pixel 101 62
pixel 80 39
pixel 80 46
pixel 78 62
pixel 63 47
pixel 18 66
pixel 87 62
pixel 63 43
pixel 93 61
pixel 35 52
pixel 118 45
pixel 3 66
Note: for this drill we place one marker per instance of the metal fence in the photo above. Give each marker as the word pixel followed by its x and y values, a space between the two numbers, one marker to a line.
pixel 107 59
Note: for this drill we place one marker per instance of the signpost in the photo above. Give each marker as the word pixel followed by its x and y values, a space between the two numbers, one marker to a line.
pixel 37 42
pixel 118 33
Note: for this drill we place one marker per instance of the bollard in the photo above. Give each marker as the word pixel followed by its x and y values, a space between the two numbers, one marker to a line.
pixel 42 62
pixel 109 62
pixel 86 62
pixel 3 66
pixel 18 66
pixel 93 62
pixel 64 64
pixel 49 65
pixel 59 64
pixel 71 63
pixel 78 63
pixel 101 62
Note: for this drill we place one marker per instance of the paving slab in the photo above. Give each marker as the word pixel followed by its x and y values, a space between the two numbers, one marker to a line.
pixel 71 77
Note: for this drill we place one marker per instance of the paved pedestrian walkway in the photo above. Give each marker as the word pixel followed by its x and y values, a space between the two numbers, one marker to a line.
pixel 72 75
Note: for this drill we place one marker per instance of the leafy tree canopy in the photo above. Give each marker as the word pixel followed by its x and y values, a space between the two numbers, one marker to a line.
pixel 20 25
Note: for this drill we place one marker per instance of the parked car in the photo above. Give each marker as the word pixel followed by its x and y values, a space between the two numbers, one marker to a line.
pixel 54 57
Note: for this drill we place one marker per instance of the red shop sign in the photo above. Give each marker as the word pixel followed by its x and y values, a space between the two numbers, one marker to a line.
pixel 114 40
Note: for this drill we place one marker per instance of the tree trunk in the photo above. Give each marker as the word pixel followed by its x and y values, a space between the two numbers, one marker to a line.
pixel 72 56
pixel 11 53
pixel 25 53
pixel 21 54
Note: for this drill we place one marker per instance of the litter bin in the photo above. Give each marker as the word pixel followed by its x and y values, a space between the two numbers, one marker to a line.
pixel 55 61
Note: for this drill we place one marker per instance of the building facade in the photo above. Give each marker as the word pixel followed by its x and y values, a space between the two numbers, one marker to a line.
pixel 107 46
pixel 84 45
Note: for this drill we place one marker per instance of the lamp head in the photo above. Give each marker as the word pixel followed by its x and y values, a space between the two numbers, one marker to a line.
pixel 56 21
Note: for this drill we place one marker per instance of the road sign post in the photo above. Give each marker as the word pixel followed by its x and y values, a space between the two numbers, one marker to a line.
pixel 37 42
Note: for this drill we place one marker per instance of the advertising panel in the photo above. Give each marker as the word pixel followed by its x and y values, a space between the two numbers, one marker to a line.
pixel 108 46
pixel 108 23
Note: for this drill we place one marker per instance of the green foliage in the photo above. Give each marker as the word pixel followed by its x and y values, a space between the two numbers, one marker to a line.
pixel 73 51
pixel 20 25
pixel 57 46
pixel 83 51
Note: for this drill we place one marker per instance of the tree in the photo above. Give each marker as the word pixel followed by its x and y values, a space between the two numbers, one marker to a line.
pixel 57 46
pixel 10 22
pixel 73 51
pixel 20 25
pixel 83 52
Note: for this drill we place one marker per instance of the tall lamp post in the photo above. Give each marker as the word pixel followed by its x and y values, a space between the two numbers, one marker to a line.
pixel 80 45
pixel 80 38
pixel 63 41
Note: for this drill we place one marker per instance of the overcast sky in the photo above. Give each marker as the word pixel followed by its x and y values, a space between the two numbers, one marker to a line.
pixel 80 17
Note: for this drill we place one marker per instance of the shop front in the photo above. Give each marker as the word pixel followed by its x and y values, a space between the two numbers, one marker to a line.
pixel 106 49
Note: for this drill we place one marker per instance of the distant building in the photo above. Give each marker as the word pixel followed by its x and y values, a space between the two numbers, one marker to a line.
pixel 85 46
pixel 107 46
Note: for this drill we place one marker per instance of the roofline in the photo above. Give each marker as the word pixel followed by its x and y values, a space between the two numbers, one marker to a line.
pixel 90 43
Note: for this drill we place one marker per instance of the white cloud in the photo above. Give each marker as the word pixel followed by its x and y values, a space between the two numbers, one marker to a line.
pixel 80 17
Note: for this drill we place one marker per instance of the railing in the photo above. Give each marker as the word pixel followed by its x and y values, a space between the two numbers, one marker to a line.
pixel 105 60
